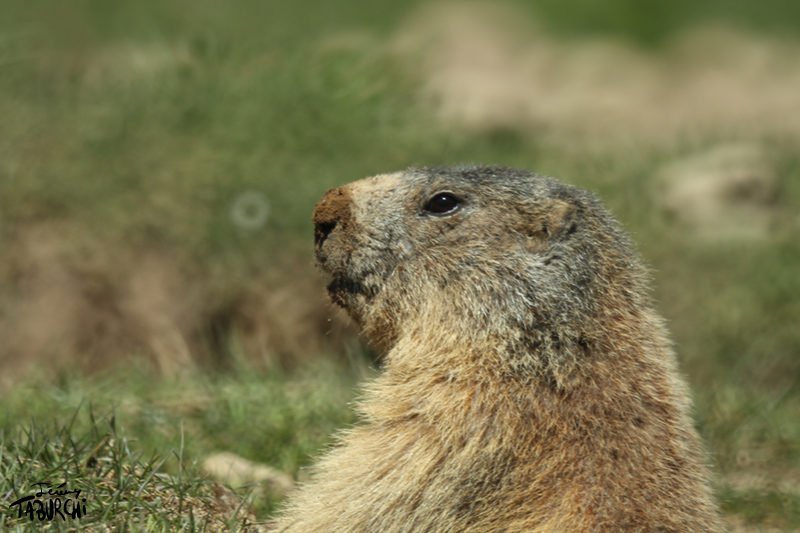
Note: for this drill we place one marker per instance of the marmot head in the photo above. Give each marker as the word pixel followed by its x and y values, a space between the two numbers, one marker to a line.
pixel 480 255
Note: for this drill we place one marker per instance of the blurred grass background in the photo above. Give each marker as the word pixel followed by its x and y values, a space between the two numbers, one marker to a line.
pixel 159 162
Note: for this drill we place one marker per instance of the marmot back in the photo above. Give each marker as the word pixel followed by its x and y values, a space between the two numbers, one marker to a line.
pixel 528 383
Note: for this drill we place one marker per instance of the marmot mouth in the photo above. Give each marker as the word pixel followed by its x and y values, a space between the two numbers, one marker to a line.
pixel 341 289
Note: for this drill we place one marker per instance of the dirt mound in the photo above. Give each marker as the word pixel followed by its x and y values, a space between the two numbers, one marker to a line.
pixel 725 192
pixel 488 66
pixel 71 302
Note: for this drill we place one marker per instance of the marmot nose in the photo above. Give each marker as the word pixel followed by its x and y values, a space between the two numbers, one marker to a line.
pixel 331 211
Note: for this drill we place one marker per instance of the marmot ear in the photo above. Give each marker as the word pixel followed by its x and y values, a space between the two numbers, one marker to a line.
pixel 549 221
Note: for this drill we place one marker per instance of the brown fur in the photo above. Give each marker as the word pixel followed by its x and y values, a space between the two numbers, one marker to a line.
pixel 528 384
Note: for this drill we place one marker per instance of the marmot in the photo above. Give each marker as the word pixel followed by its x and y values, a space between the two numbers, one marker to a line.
pixel 528 383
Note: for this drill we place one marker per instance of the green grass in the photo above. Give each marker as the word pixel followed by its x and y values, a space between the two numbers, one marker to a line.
pixel 135 448
pixel 132 126
pixel 112 482
pixel 762 507
pixel 651 23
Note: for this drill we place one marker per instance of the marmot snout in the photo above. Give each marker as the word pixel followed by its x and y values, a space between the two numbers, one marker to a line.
pixel 528 383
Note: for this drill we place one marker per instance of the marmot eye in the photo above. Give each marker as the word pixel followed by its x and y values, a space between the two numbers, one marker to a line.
pixel 442 203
